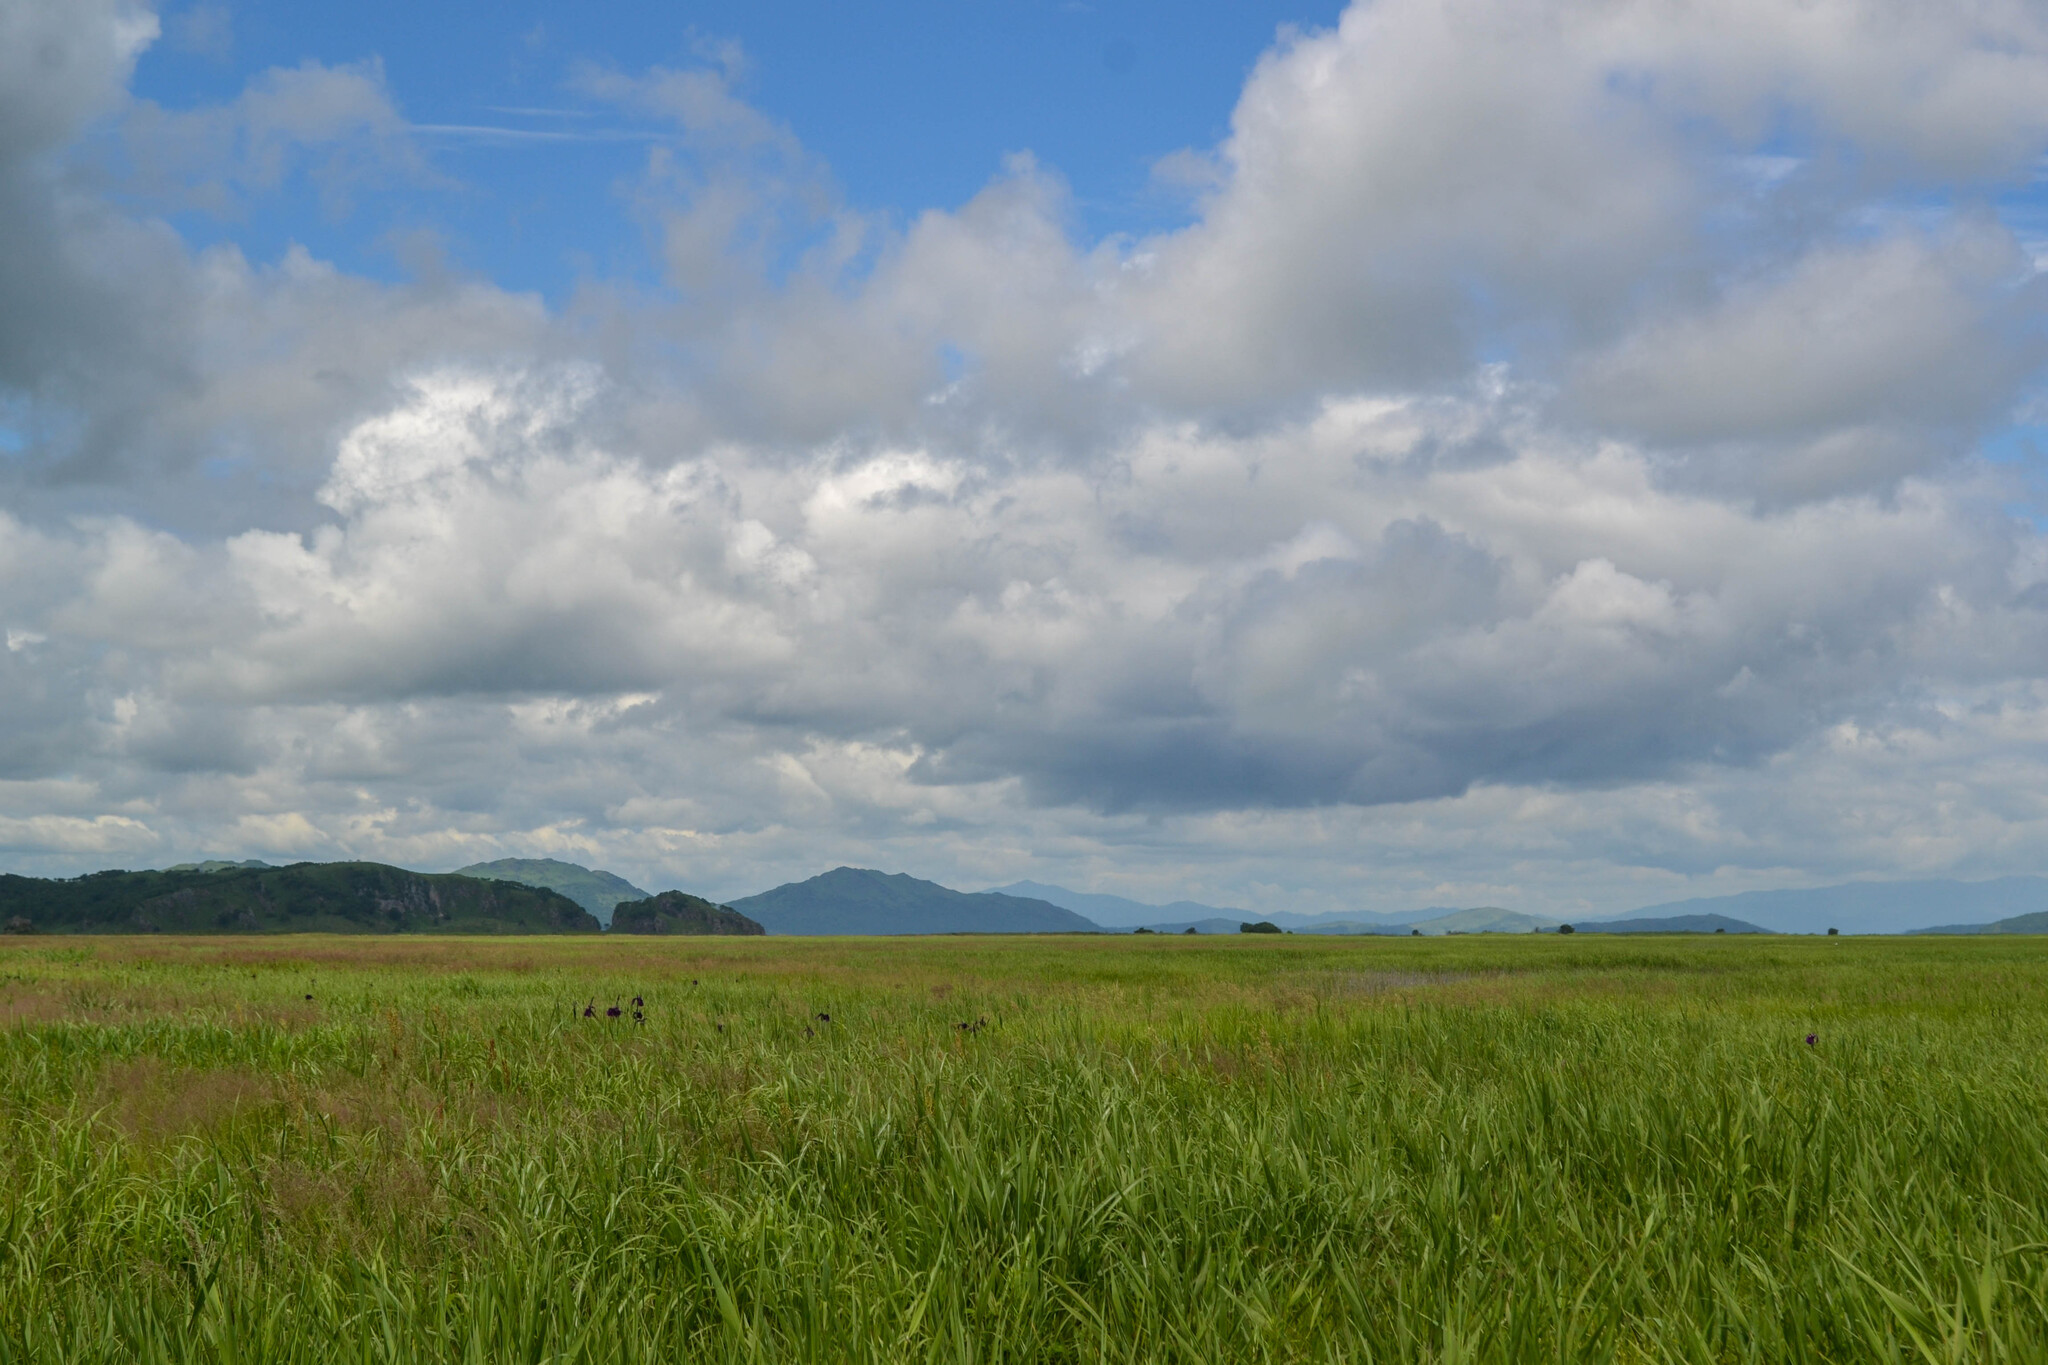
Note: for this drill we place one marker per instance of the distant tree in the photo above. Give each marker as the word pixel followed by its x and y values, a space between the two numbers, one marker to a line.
pixel 1415 933
pixel 1189 930
pixel 1833 932
pixel 1141 929
pixel 1262 927
pixel 1566 929
pixel 1720 929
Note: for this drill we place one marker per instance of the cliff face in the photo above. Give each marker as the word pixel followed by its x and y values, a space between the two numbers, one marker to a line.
pixel 678 912
pixel 335 898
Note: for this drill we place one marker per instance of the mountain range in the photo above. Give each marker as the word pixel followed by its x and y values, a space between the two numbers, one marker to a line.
pixel 1852 907
pixel 1670 924
pixel 1119 912
pixel 546 895
pixel 1867 907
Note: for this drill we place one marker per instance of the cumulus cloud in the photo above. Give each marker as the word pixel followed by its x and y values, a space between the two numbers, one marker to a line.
pixel 1862 362
pixel 1543 471
pixel 1434 181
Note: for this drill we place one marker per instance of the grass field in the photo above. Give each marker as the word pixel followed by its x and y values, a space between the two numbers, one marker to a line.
pixel 1290 1148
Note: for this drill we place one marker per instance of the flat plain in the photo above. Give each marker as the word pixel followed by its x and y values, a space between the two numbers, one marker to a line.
pixel 1268 1148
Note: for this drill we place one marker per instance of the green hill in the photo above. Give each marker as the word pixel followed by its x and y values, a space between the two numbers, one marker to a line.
pixel 679 912
pixel 334 898
pixel 2036 923
pixel 594 890
pixel 854 900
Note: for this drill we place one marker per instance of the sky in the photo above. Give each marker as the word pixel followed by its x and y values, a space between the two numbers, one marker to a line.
pixel 1542 453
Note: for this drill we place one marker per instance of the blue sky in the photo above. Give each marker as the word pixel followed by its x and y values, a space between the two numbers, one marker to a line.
pixel 911 106
pixel 1511 452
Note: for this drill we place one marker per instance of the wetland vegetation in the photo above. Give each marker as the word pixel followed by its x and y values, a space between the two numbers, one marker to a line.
pixel 1117 1148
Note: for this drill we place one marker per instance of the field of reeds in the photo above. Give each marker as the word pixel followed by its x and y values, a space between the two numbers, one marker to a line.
pixel 1118 1149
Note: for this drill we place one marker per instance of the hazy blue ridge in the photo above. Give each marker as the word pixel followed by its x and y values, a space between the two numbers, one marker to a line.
pixel 2036 923
pixel 217 865
pixel 1175 917
pixel 1120 912
pixel 1670 924
pixel 335 898
pixel 679 912
pixel 852 900
pixel 1863 907
pixel 596 891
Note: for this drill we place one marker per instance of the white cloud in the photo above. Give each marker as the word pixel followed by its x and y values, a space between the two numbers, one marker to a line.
pixel 98 837
pixel 1433 180
pixel 1504 490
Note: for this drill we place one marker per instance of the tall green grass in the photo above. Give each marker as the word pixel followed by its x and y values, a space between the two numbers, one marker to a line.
pixel 1478 1149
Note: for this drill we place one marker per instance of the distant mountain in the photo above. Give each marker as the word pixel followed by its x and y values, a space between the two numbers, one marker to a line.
pixel 1866 907
pixel 1672 924
pixel 595 891
pixel 678 912
pixel 2036 923
pixel 1119 912
pixel 852 900
pixel 1475 919
pixel 333 898
pixel 1200 926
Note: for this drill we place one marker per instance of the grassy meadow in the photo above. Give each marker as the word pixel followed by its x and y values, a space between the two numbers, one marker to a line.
pixel 1067 1149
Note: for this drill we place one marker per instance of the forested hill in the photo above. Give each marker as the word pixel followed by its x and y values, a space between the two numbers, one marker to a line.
pixel 328 898
pixel 679 912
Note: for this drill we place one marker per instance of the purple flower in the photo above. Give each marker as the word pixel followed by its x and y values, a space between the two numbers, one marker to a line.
pixel 638 1002
pixel 612 1013
pixel 590 1010
pixel 1812 1038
